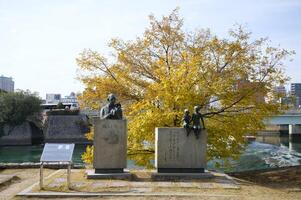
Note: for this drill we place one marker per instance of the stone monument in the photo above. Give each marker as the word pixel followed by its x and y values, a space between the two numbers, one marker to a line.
pixel 110 146
pixel 110 143
pixel 179 154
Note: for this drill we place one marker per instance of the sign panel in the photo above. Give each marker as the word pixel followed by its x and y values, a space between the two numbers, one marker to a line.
pixel 57 152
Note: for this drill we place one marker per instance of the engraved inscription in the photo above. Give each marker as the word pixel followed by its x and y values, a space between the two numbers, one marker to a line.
pixel 175 150
pixel 110 144
pixel 111 125
pixel 173 147
pixel 111 138
pixel 110 135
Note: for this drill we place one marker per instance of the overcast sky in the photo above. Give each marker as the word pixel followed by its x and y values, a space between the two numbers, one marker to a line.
pixel 40 39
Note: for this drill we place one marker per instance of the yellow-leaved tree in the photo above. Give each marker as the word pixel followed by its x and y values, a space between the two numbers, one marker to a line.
pixel 167 70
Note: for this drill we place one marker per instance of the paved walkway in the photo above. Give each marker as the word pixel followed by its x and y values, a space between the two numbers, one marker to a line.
pixel 6 179
pixel 55 186
pixel 21 179
pixel 220 188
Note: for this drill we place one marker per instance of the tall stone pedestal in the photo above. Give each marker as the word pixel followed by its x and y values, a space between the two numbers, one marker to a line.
pixel 178 155
pixel 110 149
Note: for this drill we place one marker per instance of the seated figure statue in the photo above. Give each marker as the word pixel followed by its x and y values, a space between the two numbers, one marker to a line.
pixel 112 110
pixel 186 121
pixel 196 119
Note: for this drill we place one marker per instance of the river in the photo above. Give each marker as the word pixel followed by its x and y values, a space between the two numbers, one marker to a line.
pixel 265 152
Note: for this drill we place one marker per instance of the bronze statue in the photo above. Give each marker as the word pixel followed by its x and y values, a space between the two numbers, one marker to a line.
pixel 112 110
pixel 186 121
pixel 196 119
pixel 196 123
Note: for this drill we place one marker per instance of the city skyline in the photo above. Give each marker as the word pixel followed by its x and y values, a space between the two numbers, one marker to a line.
pixel 41 39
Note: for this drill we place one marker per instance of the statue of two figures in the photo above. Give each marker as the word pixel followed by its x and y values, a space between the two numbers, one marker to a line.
pixel 195 119
pixel 112 110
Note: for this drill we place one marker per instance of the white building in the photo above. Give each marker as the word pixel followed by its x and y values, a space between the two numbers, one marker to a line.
pixel 70 100
pixel 53 98
pixel 7 84
pixel 280 90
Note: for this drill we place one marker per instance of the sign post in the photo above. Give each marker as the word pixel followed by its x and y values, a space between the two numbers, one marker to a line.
pixel 41 175
pixel 60 153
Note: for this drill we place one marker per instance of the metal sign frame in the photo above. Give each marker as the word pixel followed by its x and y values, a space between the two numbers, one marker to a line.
pixel 47 157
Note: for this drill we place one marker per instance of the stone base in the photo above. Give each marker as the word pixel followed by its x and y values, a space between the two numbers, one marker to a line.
pixel 180 170
pixel 120 176
pixel 108 171
pixel 180 176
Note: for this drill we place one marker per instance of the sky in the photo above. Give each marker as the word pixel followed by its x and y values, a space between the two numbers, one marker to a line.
pixel 40 39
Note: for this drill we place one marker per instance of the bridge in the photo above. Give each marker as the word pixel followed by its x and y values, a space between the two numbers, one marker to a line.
pixel 289 121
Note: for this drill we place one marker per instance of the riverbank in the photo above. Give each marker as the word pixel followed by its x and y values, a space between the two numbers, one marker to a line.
pixel 284 177
pixel 282 183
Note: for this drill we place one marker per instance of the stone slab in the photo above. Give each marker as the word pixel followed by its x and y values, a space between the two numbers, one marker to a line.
pixel 110 144
pixel 175 150
pixel 120 176
pixel 181 176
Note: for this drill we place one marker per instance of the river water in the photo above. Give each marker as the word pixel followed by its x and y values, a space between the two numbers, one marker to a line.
pixel 265 152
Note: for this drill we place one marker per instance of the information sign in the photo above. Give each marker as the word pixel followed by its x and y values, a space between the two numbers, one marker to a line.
pixel 57 152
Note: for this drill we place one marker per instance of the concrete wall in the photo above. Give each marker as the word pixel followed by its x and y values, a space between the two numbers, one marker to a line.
pixel 295 129
pixel 272 127
pixel 284 119
pixel 65 128
pixel 274 130
pixel 19 135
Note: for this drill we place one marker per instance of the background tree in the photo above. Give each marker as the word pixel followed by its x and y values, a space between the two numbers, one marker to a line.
pixel 18 107
pixel 158 75
pixel 60 105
